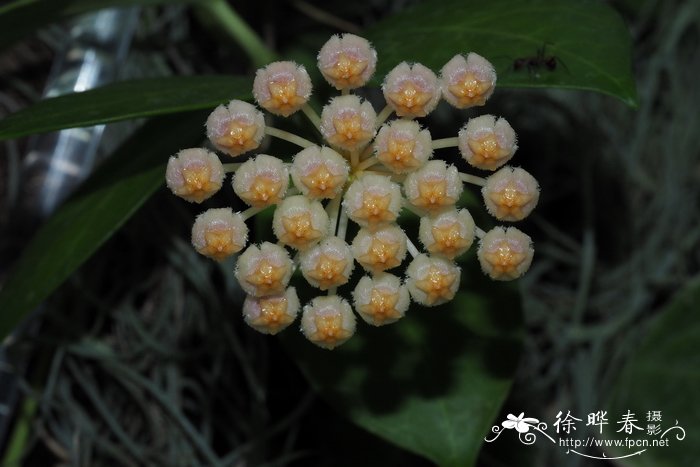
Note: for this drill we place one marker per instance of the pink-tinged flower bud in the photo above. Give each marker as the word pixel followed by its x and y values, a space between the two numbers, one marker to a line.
pixel 319 172
pixel 273 313
pixel 347 61
pixel 379 250
pixel 434 187
pixel 328 321
pixel 402 146
pixel 194 174
pixel 300 222
pixel 219 233
pixel 487 143
pixel 282 88
pixel 467 82
pixel 261 181
pixel 447 234
pixel 373 200
pixel 327 264
pixel 264 270
pixel 381 299
pixel 348 122
pixel 411 90
pixel 236 128
pixel 505 253
pixel 432 280
pixel 511 194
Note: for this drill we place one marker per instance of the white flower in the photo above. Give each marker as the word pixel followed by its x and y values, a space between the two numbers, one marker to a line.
pixel 319 172
pixel 486 142
pixel 236 128
pixel 467 82
pixel 411 90
pixel 522 425
pixel 328 321
pixel 261 181
pixel 381 299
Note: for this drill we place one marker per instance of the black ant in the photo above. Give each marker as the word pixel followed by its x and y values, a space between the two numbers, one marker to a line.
pixel 537 62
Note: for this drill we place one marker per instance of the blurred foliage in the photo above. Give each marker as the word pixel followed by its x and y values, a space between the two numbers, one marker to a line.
pixel 142 357
pixel 655 379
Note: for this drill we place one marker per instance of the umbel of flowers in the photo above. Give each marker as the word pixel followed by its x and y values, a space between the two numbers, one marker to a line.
pixel 366 171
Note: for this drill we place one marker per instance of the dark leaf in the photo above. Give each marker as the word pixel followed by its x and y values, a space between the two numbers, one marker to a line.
pixel 123 101
pixel 87 220
pixel 590 42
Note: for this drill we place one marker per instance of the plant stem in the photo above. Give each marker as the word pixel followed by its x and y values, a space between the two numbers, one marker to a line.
pixel 384 114
pixel 312 115
pixel 239 31
pixel 354 158
pixel 342 224
pixel 232 166
pixel 446 142
pixel 333 210
pixel 289 137
pixel 413 251
pixel 250 212
pixel 367 163
pixel 473 179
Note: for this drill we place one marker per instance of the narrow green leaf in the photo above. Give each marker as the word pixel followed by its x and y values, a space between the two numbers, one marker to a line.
pixel 22 17
pixel 590 41
pixel 122 101
pixel 662 376
pixel 430 383
pixel 110 197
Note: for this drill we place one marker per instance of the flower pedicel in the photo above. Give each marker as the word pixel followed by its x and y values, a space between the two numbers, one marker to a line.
pixel 365 171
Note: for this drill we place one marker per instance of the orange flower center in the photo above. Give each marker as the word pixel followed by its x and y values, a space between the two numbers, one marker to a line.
pixel 329 272
pixel 410 100
pixel 239 137
pixel 375 208
pixel 263 191
pixel 347 70
pixel 382 306
pixel 197 182
pixel 437 285
pixel 470 90
pixel 432 194
pixel 267 277
pixel 219 244
pixel 273 314
pixel 399 154
pixel 321 182
pixel 299 230
pixel 448 240
pixel 381 255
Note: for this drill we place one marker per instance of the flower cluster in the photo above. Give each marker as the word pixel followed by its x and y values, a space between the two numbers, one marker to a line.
pixel 369 169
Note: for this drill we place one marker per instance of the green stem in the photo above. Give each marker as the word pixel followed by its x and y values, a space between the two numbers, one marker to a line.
pixel 231 166
pixel 412 250
pixel 333 210
pixel 342 224
pixel 289 137
pixel 473 179
pixel 367 163
pixel 239 31
pixel 312 115
pixel 384 114
pixel 445 142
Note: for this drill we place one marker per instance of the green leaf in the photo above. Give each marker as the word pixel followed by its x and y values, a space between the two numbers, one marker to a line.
pixel 23 17
pixel 122 101
pixel 107 200
pixel 662 375
pixel 431 383
pixel 590 41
